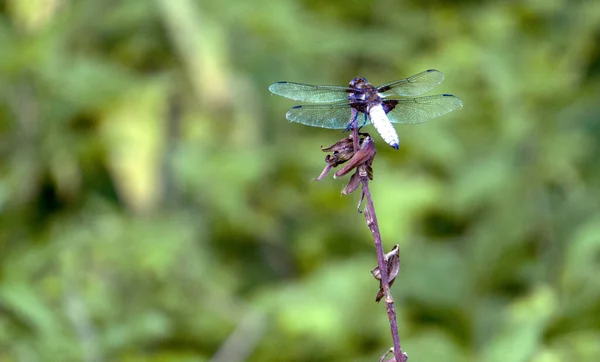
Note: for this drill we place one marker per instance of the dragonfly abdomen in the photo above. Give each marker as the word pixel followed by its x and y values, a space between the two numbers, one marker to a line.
pixel 384 126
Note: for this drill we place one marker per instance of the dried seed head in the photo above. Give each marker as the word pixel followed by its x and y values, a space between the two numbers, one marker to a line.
pixel 360 160
pixel 364 155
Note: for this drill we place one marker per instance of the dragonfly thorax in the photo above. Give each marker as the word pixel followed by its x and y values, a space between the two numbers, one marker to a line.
pixel 361 91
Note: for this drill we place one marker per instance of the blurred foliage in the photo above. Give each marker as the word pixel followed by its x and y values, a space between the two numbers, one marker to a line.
pixel 156 205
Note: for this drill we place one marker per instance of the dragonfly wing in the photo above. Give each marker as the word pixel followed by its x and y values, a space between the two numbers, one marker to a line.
pixel 310 93
pixel 412 86
pixel 335 116
pixel 422 109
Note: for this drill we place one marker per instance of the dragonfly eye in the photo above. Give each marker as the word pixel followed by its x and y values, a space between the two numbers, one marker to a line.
pixel 358 82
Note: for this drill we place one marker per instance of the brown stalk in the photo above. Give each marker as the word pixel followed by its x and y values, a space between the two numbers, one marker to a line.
pixel 371 219
pixel 356 153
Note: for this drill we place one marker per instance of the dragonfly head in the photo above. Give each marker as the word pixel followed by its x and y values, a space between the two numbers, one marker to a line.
pixel 359 82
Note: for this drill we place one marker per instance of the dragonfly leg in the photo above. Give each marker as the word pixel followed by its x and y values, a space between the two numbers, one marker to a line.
pixel 353 121
pixel 365 121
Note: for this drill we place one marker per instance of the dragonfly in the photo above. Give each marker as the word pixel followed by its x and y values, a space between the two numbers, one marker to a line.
pixel 339 107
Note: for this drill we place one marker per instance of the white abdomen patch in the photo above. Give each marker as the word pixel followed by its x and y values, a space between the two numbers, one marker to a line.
pixel 384 126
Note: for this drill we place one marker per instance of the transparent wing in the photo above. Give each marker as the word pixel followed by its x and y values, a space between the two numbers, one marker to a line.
pixel 336 116
pixel 422 109
pixel 310 93
pixel 412 86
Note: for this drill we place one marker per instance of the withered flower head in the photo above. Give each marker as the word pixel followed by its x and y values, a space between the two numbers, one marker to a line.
pixel 341 152
pixel 361 160
pixel 364 156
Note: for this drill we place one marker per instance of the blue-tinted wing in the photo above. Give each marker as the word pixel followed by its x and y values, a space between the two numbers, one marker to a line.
pixel 310 93
pixel 412 86
pixel 336 116
pixel 422 109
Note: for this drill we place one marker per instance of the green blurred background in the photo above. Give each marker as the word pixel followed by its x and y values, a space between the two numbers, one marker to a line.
pixel 157 206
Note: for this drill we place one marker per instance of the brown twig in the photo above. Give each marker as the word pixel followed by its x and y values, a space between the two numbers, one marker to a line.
pixel 357 153
pixel 371 219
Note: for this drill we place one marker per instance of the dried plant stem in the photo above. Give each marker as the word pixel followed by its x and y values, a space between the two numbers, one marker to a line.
pixel 371 219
